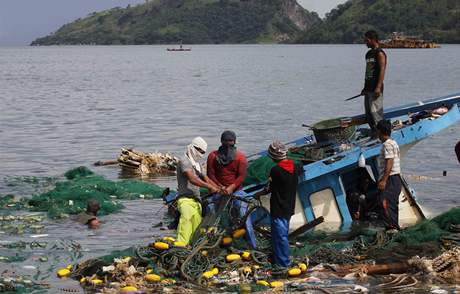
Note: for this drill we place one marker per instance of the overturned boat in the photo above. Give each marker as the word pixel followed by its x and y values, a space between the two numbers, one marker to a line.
pixel 340 170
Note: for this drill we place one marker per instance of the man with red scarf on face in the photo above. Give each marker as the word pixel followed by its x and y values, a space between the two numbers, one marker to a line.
pixel 227 168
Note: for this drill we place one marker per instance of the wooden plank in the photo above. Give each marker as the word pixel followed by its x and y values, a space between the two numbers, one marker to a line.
pixel 306 227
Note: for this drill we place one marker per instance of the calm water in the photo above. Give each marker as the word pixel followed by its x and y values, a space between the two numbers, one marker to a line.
pixel 61 107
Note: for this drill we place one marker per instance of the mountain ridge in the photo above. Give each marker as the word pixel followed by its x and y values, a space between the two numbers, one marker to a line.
pixel 431 20
pixel 189 21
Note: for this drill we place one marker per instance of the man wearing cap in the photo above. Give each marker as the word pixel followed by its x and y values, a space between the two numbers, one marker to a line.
pixel 283 187
pixel 190 179
pixel 89 217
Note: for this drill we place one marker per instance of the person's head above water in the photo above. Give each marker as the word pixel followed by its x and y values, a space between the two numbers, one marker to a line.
pixel 94 223
pixel 93 207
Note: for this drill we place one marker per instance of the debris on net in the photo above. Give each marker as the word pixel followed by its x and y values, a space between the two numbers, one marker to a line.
pixel 220 260
pixel 71 196
pixel 445 266
pixel 11 282
pixel 169 263
pixel 10 202
pixel 217 258
pixel 20 224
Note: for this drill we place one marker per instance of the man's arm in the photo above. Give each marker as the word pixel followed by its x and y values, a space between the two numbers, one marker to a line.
pixel 382 60
pixel 267 189
pixel 209 181
pixel 195 180
pixel 211 171
pixel 386 174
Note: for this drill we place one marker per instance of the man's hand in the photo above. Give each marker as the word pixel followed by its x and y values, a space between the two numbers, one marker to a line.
pixel 377 92
pixel 382 185
pixel 213 190
pixel 221 190
pixel 363 92
pixel 228 190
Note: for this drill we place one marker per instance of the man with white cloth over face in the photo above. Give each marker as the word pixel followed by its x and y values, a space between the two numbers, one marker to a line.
pixel 227 168
pixel 190 179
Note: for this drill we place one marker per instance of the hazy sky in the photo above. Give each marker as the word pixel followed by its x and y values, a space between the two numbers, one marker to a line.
pixel 21 21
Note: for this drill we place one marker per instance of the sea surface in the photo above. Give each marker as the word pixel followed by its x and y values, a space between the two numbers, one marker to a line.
pixel 63 107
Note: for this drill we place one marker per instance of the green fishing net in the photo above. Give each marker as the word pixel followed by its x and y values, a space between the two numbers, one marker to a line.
pixel 258 170
pixel 71 196
pixel 427 238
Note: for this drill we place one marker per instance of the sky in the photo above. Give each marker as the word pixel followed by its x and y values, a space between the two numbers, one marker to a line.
pixel 22 21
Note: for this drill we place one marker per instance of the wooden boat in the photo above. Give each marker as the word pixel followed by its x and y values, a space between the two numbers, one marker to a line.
pixel 399 41
pixel 179 49
pixel 329 183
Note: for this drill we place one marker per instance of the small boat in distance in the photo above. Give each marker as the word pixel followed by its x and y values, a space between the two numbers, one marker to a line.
pixel 179 49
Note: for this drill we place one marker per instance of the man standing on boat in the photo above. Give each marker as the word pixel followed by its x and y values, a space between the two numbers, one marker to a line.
pixel 389 183
pixel 190 179
pixel 227 168
pixel 376 61
pixel 282 185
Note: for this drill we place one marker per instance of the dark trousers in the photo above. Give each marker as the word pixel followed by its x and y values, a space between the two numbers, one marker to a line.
pixel 389 199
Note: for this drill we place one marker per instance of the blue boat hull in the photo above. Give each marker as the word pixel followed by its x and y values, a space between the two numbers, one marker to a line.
pixel 325 184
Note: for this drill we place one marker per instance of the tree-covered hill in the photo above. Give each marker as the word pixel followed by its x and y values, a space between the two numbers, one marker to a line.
pixel 437 20
pixel 189 21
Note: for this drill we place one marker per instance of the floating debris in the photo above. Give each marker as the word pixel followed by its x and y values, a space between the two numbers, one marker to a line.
pixel 15 283
pixel 147 163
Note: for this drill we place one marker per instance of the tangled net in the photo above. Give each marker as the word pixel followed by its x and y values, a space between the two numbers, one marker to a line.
pixel 218 257
pixel 71 196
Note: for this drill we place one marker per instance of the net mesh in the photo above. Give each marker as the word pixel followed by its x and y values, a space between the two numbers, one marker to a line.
pixel 258 170
pixel 427 238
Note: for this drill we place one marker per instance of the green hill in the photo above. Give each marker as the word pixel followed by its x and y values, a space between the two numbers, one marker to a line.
pixel 189 21
pixel 437 20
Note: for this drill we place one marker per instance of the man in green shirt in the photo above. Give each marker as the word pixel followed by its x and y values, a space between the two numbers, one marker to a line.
pixel 376 62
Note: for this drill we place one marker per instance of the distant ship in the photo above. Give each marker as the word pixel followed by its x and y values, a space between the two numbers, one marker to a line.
pixel 399 40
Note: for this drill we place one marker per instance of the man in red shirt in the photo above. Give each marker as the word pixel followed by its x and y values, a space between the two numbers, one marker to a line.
pixel 227 168
pixel 227 165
